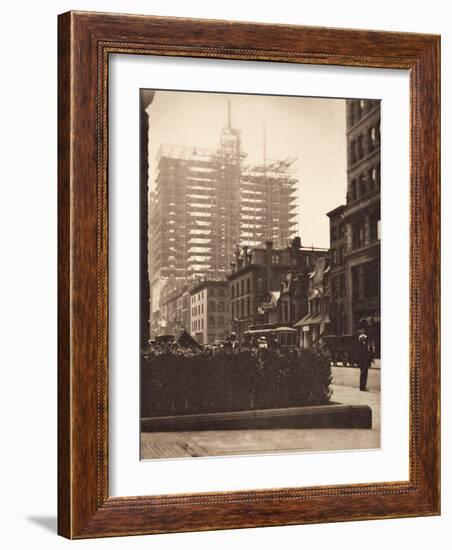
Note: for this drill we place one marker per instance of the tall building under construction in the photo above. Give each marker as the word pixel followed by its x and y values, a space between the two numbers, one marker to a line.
pixel 206 202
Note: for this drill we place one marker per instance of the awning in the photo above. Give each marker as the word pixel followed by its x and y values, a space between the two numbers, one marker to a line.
pixel 284 329
pixel 313 320
pixel 305 321
pixel 266 330
pixel 257 331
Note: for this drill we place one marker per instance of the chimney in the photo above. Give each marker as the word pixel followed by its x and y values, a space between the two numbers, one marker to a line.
pixel 296 242
pixel 232 264
pixel 269 245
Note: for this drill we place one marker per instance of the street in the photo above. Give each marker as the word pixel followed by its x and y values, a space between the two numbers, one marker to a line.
pixel 233 442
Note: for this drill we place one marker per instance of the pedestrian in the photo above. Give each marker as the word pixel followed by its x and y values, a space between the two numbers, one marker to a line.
pixel 364 360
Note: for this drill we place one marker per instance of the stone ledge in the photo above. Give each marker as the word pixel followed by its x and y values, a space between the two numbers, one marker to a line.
pixel 333 415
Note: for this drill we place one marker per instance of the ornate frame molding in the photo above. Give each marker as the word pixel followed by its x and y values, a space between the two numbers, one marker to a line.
pixel 85 42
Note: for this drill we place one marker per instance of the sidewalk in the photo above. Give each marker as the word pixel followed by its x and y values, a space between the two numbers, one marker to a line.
pixel 349 376
pixel 235 442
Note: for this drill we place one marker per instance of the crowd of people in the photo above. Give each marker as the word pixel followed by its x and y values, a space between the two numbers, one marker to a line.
pixel 358 351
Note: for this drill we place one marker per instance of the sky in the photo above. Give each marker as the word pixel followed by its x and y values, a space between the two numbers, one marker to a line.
pixel 312 130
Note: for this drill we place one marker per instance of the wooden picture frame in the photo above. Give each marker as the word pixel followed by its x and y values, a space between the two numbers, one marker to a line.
pixel 86 40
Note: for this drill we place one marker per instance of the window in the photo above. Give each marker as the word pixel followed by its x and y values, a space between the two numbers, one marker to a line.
pixel 353 190
pixel 242 308
pixel 316 307
pixel 334 256
pixel 355 283
pixel 220 322
pixel 372 138
pixel 374 228
pixel 341 254
pixel 275 259
pixel 221 306
pixel 335 287
pixel 362 185
pixel 232 291
pixel 248 306
pixel 372 178
pixel 212 306
pixel 342 284
pixel 248 285
pixel 371 279
pixel 353 152
pixel 359 234
pixel 360 147
pixel 241 286
pixel 285 312
pixel 260 284
pixel 333 233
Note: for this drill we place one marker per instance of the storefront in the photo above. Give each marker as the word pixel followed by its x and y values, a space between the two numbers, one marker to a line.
pixel 311 328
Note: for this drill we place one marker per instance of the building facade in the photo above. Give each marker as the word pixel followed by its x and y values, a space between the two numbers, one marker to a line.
pixel 269 285
pixel 209 311
pixel 174 311
pixel 355 228
pixel 338 304
pixel 316 322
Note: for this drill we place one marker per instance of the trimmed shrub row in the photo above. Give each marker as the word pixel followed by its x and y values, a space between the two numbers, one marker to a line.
pixel 173 384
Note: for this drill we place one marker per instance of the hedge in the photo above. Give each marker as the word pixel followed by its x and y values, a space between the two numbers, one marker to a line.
pixel 173 384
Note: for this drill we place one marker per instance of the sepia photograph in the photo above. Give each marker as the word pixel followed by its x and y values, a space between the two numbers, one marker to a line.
pixel 260 235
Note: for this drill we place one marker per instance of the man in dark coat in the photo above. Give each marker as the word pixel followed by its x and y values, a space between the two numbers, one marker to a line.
pixel 364 360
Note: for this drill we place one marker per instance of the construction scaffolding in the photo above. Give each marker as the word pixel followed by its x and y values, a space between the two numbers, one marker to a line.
pixel 208 201
pixel 268 203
